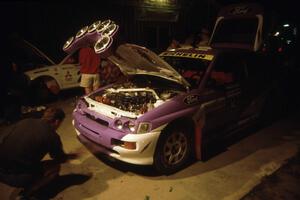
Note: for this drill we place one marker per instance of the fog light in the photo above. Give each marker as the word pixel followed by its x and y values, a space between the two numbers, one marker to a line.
pixel 124 144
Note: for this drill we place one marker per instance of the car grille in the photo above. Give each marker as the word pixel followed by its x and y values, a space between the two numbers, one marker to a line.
pixel 100 121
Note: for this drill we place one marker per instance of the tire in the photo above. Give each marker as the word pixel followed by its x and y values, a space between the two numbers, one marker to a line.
pixel 40 93
pixel 174 149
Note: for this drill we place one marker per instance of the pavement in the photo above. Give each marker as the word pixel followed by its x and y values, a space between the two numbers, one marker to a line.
pixel 230 174
pixel 281 185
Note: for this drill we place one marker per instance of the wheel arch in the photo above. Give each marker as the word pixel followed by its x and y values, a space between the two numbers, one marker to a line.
pixel 196 124
pixel 52 84
pixel 187 122
pixel 182 123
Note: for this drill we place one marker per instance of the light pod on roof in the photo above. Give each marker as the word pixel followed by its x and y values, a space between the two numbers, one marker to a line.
pixel 81 32
pixel 110 30
pixel 94 26
pixel 99 35
pixel 68 42
pixel 103 26
pixel 102 44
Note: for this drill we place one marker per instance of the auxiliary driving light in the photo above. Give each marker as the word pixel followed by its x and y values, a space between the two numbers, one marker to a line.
pixel 81 32
pixel 102 44
pixel 94 26
pixel 103 26
pixel 68 42
pixel 110 30
pixel 106 22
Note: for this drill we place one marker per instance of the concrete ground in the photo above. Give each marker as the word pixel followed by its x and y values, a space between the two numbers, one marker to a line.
pixel 282 185
pixel 228 175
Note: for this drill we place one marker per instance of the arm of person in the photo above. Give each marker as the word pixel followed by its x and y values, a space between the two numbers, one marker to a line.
pixel 56 151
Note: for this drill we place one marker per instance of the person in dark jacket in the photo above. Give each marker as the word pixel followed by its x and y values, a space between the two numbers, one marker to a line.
pixel 23 147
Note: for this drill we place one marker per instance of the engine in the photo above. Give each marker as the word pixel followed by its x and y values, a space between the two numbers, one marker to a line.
pixel 128 97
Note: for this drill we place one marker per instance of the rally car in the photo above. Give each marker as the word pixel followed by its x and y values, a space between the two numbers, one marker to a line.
pixel 44 76
pixel 172 105
pixel 162 115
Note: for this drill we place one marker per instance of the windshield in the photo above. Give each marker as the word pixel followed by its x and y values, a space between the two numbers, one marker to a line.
pixel 236 31
pixel 191 69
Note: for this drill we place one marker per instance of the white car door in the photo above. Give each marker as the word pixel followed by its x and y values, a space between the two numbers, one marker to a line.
pixel 68 75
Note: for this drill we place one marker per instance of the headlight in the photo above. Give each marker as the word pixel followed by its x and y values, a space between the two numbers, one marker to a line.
pixel 82 103
pixel 129 125
pixel 119 124
pixel 144 127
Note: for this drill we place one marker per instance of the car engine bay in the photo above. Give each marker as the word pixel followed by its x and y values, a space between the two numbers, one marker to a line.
pixel 131 97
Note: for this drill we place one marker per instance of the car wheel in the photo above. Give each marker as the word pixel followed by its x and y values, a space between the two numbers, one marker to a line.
pixel 173 150
pixel 41 94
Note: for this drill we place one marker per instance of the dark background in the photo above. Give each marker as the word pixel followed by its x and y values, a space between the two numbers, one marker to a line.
pixel 48 25
pixel 150 23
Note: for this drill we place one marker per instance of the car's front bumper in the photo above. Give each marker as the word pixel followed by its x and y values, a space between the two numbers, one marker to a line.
pixel 98 139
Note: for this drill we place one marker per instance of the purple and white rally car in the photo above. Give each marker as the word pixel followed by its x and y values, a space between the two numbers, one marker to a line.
pixel 147 118
pixel 163 116
pixel 170 107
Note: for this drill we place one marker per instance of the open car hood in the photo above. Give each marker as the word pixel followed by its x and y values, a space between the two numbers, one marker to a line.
pixel 134 59
pixel 26 52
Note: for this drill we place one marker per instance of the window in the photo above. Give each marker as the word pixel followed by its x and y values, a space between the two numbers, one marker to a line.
pixel 236 31
pixel 190 68
pixel 228 69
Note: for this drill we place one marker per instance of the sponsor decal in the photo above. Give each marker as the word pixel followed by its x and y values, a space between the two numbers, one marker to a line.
pixel 240 10
pixel 191 99
pixel 188 55
pixel 68 76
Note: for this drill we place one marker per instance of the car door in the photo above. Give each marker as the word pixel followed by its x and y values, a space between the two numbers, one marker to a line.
pixel 69 71
pixel 254 85
pixel 70 75
pixel 224 83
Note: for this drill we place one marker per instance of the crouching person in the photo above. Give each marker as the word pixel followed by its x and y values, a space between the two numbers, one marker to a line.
pixel 22 148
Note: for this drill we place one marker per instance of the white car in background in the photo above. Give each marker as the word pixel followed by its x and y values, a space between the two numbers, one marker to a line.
pixel 49 77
